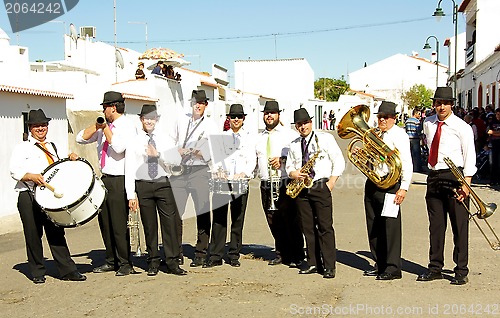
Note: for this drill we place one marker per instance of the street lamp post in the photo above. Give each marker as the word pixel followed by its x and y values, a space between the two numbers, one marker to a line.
pixel 439 14
pixel 146 25
pixel 428 47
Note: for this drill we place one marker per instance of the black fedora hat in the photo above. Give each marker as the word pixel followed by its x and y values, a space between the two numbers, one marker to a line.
pixel 300 115
pixel 387 108
pixel 443 93
pixel 37 117
pixel 271 106
pixel 149 111
pixel 236 109
pixel 199 96
pixel 112 97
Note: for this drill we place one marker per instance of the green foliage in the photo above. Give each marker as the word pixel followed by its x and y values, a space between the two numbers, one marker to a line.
pixel 418 96
pixel 330 89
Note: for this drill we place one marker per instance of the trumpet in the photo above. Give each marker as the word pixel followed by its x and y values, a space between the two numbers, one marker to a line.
pixel 135 238
pixel 484 210
pixel 275 183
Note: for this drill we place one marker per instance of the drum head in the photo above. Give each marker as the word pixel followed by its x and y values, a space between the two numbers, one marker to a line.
pixel 72 179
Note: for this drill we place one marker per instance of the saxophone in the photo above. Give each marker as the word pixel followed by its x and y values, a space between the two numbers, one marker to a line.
pixel 295 186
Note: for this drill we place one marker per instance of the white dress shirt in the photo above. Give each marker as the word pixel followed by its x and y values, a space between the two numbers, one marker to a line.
pixel 330 161
pixel 123 131
pixel 194 134
pixel 136 159
pixel 234 153
pixel 28 158
pixel 397 138
pixel 456 142
pixel 281 137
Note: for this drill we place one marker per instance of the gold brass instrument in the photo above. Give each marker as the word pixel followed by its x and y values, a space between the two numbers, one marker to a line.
pixel 275 183
pixel 374 151
pixel 484 210
pixel 296 185
pixel 135 237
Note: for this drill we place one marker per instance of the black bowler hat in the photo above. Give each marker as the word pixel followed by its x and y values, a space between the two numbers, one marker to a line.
pixel 149 111
pixel 443 93
pixel 271 106
pixel 199 96
pixel 37 117
pixel 112 97
pixel 236 109
pixel 301 115
pixel 387 108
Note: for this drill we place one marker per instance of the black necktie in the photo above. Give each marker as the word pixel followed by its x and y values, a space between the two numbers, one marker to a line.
pixel 152 161
pixel 305 156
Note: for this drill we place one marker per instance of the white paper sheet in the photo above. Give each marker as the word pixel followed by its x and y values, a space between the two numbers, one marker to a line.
pixel 390 209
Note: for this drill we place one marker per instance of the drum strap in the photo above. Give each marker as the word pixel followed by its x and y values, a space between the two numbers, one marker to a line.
pixel 48 152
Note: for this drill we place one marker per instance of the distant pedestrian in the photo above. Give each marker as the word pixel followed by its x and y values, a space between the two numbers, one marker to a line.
pixel 325 121
pixel 413 128
pixel 332 119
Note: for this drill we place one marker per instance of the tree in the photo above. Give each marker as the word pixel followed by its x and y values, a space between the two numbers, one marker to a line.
pixel 330 89
pixel 418 96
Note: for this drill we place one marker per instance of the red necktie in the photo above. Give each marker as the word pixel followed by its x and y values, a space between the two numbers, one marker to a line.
pixel 433 152
pixel 104 151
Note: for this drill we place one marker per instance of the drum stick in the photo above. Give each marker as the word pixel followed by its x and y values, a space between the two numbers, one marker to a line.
pixel 51 188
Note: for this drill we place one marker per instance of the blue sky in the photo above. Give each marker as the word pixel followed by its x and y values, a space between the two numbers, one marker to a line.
pixel 336 37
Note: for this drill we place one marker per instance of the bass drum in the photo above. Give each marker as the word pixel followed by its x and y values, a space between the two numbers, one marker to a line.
pixel 77 196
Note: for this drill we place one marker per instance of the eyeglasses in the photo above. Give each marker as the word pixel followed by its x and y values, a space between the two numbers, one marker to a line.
pixel 384 117
pixel 269 113
pixel 39 125
pixel 236 116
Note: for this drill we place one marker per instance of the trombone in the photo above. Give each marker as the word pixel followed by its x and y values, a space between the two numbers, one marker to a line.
pixel 484 210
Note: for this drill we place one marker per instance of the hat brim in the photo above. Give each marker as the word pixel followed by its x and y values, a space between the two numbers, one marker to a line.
pixel 303 120
pixel 38 121
pixel 235 114
pixel 445 98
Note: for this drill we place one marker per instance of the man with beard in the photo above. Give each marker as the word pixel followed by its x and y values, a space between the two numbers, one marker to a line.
pixel 272 149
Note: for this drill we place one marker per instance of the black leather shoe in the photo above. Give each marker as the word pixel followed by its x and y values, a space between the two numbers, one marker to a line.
pixel 39 279
pixel 428 276
pixel 234 263
pixel 275 261
pixel 329 273
pixel 388 276
pixel 309 270
pixel 197 261
pixel 75 276
pixel 371 272
pixel 459 280
pixel 153 270
pixel 296 264
pixel 212 263
pixel 125 270
pixel 177 271
pixel 104 268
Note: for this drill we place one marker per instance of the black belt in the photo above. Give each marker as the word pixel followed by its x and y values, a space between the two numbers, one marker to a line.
pixel 160 179
pixel 321 180
pixel 434 173
pixel 105 175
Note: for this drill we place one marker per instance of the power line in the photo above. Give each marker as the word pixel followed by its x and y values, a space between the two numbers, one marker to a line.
pixel 287 34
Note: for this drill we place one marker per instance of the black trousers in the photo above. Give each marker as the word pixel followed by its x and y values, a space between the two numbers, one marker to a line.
pixel 384 233
pixel 34 222
pixel 157 199
pixel 113 222
pixel 195 183
pixel 440 204
pixel 283 223
pixel 237 206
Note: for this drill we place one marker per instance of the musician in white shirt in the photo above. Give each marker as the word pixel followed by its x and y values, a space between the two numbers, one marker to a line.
pixel 191 135
pixel 233 166
pixel 147 161
pixel 272 149
pixel 315 204
pixel 455 140
pixel 112 137
pixel 384 228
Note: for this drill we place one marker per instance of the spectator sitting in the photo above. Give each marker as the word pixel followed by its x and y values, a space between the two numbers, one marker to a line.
pixel 139 74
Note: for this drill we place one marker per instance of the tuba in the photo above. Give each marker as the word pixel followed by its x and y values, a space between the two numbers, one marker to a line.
pixel 374 151
pixel 294 187
pixel 484 210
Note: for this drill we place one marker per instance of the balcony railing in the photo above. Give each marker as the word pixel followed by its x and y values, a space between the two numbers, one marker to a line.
pixel 469 54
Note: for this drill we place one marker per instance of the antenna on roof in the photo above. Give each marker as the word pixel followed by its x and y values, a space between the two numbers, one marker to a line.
pixel 119 59
pixel 72 33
